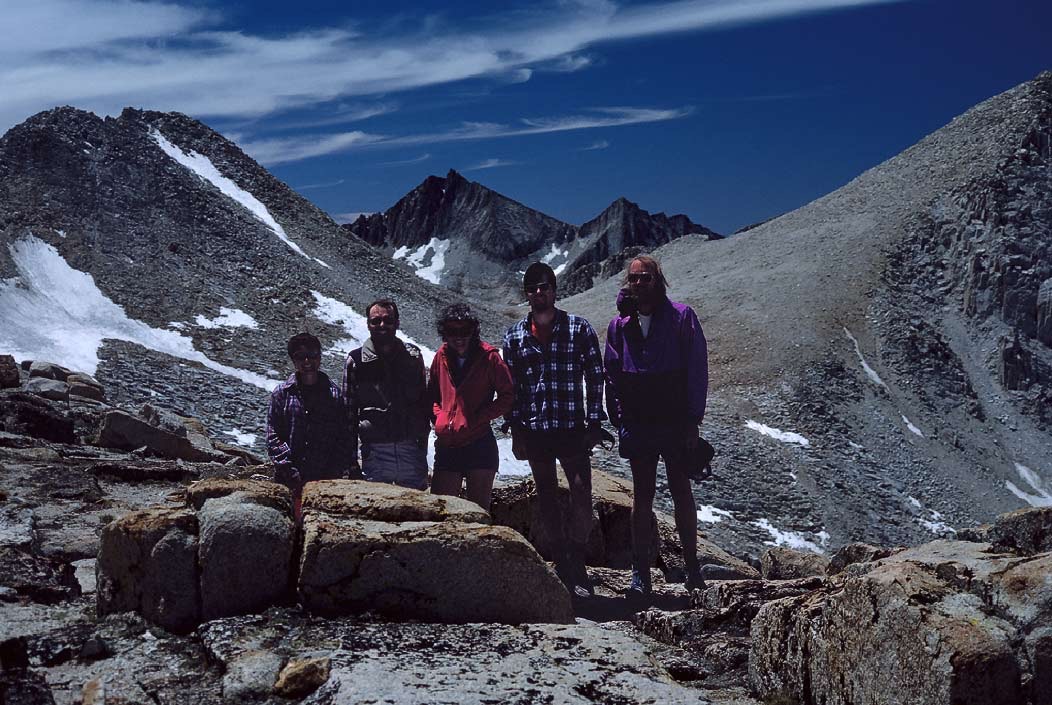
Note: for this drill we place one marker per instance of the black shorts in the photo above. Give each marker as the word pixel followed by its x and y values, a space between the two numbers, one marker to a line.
pixel 561 444
pixel 478 455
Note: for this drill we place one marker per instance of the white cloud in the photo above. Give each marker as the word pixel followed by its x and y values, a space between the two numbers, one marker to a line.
pixel 104 54
pixel 324 184
pixel 600 144
pixel 288 149
pixel 489 164
pixel 412 160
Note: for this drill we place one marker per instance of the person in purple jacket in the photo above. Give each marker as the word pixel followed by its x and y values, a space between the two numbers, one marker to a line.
pixel 657 375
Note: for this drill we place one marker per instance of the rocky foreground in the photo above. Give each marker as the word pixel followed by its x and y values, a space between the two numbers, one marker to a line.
pixel 141 562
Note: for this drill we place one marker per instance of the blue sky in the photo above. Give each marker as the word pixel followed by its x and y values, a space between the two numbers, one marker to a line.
pixel 730 111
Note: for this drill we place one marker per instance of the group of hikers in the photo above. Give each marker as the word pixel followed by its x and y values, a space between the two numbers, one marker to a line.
pixel 547 384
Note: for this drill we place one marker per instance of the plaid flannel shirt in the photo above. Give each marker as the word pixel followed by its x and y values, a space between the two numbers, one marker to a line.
pixel 313 443
pixel 549 394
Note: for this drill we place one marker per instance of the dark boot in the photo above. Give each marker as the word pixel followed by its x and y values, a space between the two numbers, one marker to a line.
pixel 579 570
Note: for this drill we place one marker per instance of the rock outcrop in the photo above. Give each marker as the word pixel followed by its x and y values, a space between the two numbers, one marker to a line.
pixel 945 622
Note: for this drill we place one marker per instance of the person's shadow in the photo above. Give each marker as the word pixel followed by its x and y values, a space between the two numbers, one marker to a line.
pixel 611 604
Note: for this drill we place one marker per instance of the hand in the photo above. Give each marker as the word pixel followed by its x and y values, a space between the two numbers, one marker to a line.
pixel 518 442
pixel 593 436
pixel 354 471
pixel 691 437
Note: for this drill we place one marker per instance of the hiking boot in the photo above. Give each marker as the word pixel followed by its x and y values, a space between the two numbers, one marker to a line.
pixel 640 585
pixel 694 580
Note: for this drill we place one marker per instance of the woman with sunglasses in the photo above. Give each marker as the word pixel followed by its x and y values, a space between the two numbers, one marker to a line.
pixel 470 386
pixel 307 433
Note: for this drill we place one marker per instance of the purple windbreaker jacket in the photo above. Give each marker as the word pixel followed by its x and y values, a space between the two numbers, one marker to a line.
pixel 661 379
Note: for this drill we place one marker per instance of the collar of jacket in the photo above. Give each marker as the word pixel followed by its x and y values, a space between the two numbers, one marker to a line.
pixel 660 309
pixel 369 353
pixel 560 319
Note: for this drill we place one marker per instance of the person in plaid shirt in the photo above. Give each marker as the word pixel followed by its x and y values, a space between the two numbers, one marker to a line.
pixel 553 356
pixel 307 434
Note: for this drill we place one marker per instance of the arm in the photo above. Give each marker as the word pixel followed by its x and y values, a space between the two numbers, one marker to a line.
pixel 612 365
pixel 434 390
pixel 696 354
pixel 514 414
pixel 500 378
pixel 592 363
pixel 277 439
pixel 350 397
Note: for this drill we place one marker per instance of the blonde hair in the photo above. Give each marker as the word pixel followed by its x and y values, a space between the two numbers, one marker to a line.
pixel 652 266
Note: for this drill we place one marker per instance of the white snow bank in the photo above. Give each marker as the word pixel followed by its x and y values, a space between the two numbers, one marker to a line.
pixel 556 254
pixel 712 515
pixel 241 438
pixel 1043 498
pixel 792 539
pixel 934 523
pixel 783 436
pixel 870 372
pixel 509 464
pixel 227 318
pixel 433 253
pixel 53 312
pixel 913 429
pixel 204 168
pixel 338 313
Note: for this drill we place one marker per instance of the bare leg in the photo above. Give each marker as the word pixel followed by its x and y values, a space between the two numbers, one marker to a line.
pixel 446 482
pixel 578 470
pixel 480 486
pixel 685 508
pixel 644 483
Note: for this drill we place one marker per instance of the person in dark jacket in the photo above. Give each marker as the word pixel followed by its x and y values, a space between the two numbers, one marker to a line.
pixel 470 386
pixel 307 434
pixel 554 356
pixel 389 410
pixel 657 375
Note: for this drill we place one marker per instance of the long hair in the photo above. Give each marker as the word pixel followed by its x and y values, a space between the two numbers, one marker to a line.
pixel 654 267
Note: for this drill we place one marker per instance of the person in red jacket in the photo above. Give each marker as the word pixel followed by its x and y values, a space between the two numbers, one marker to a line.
pixel 470 386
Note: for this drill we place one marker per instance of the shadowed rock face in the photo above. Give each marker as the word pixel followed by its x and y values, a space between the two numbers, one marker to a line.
pixel 944 622
pixel 493 238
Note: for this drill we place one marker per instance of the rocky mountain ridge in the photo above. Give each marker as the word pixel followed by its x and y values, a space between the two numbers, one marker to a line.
pixel 474 240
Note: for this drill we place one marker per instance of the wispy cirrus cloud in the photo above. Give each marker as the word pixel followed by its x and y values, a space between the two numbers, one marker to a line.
pixel 289 149
pixel 412 160
pixel 324 184
pixel 600 144
pixel 490 164
pixel 104 54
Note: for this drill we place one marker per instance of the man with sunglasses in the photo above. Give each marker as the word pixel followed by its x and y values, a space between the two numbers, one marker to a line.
pixel 657 383
pixel 553 356
pixel 385 386
pixel 307 434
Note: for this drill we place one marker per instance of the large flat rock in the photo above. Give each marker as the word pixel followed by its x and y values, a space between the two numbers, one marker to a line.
pixel 382 502
pixel 449 572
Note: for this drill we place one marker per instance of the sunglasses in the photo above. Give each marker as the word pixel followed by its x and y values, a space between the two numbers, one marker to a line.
pixel 382 320
pixel 459 331
pixel 539 286
pixel 640 278
pixel 301 355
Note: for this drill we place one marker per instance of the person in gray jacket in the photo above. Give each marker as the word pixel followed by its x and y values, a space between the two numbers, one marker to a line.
pixel 389 410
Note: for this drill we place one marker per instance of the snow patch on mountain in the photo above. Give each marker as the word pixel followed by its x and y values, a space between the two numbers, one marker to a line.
pixel 53 312
pixel 428 260
pixel 557 255
pixel 712 515
pixel 792 539
pixel 913 429
pixel 777 434
pixel 248 440
pixel 227 318
pixel 205 169
pixel 1043 498
pixel 870 372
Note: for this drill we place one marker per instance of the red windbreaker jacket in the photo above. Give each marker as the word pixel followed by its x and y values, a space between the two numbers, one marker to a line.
pixel 463 412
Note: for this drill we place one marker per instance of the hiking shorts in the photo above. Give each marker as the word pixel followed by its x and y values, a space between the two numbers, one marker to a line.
pixel 561 444
pixel 651 440
pixel 480 454
pixel 402 463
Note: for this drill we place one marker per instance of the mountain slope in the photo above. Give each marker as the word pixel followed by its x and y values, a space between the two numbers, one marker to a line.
pixel 153 230
pixel 898 326
pixel 472 239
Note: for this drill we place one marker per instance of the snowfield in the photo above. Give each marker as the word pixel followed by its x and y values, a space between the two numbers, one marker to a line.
pixel 53 312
